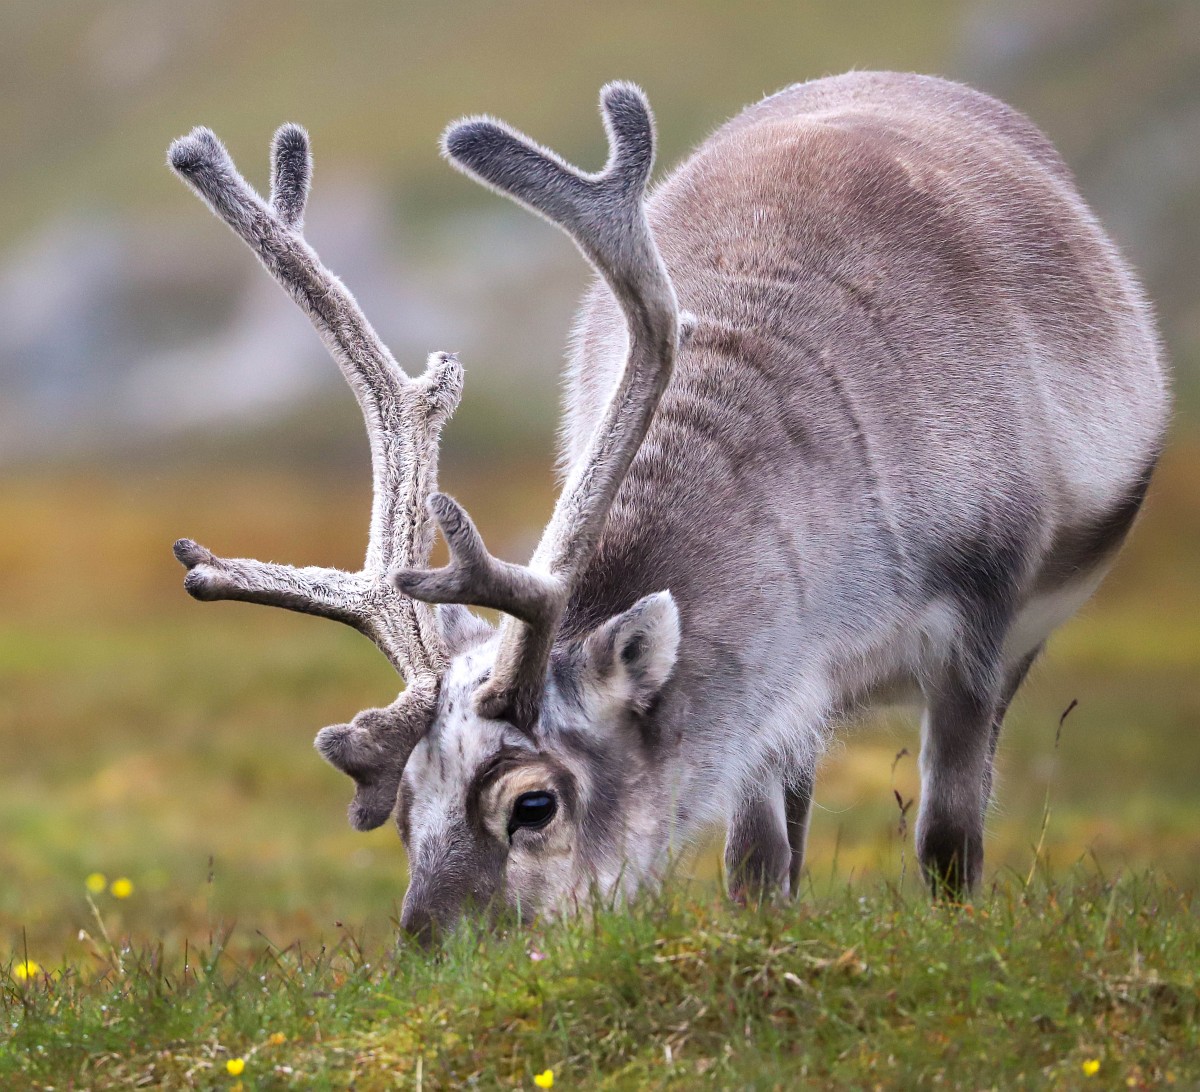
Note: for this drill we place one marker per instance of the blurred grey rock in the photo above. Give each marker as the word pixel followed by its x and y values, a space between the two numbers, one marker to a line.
pixel 114 330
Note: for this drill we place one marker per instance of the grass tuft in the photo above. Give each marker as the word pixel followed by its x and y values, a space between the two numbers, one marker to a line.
pixel 1035 985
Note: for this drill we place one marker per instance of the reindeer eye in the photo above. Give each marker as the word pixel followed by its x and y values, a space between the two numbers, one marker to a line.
pixel 532 810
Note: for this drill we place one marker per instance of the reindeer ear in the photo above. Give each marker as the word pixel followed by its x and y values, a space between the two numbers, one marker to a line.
pixel 632 655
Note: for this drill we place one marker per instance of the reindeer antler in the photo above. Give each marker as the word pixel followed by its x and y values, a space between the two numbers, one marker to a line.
pixel 404 419
pixel 604 214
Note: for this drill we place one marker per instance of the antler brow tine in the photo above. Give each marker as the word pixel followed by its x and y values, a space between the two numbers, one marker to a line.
pixel 404 418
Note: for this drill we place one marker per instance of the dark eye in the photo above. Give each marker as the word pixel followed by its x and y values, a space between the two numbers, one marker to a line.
pixel 532 810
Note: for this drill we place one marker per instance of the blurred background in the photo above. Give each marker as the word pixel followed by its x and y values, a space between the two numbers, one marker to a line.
pixel 155 383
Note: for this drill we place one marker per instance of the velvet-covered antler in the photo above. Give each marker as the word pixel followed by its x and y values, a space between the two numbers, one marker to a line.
pixel 404 419
pixel 604 214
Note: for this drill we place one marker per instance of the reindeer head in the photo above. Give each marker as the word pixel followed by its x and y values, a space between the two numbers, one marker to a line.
pixel 512 759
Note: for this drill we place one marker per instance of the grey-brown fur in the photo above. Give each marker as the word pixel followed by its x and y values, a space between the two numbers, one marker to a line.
pixel 920 373
pixel 901 439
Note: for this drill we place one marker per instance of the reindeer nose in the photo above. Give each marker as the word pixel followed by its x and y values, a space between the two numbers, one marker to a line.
pixel 419 923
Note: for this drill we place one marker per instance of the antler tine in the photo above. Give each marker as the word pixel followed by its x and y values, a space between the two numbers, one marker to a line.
pixel 291 175
pixel 404 418
pixel 374 748
pixel 474 576
pixel 604 214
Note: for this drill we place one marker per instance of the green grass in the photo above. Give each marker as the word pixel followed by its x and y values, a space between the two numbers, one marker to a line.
pixel 861 987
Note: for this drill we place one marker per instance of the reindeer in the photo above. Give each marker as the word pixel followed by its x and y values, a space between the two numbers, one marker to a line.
pixel 897 438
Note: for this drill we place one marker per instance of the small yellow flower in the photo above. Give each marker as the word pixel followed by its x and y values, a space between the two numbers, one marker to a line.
pixel 122 888
pixel 96 882
pixel 235 1066
pixel 544 1080
pixel 1091 1067
pixel 277 1038
pixel 27 969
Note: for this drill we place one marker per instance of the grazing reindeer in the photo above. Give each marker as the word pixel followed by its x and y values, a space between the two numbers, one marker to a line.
pixel 901 439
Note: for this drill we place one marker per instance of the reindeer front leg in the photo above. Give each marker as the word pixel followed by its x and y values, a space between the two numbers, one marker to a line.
pixel 764 848
pixel 758 856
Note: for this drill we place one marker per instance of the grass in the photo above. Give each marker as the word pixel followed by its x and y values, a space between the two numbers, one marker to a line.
pixel 856 987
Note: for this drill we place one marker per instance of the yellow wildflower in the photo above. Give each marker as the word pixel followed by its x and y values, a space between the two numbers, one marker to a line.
pixel 122 888
pixel 26 970
pixel 544 1080
pixel 277 1038
pixel 96 882
pixel 1091 1067
pixel 234 1066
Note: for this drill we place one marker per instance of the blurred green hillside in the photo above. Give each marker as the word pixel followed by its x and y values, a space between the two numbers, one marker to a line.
pixel 94 94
